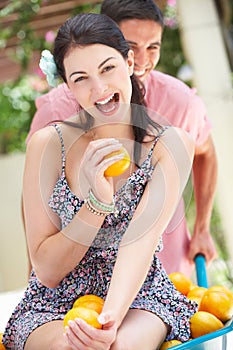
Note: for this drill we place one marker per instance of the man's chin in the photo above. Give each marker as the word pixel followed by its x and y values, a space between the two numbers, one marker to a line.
pixel 142 76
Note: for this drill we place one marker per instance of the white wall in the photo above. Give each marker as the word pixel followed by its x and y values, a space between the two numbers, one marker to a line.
pixel 13 255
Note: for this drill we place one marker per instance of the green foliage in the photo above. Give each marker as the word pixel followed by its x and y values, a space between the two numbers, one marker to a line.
pixel 87 8
pixel 172 57
pixel 17 109
pixel 21 29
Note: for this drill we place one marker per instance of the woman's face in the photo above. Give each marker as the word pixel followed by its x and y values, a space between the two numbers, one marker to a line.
pixel 99 78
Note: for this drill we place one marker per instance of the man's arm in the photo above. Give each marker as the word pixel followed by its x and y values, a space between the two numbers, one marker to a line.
pixel 204 180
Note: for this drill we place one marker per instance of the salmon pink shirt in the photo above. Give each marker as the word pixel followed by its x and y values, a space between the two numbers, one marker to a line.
pixel 170 101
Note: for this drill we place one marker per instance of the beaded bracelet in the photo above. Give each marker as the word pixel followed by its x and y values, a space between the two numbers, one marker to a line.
pixel 100 205
pixel 92 209
pixel 99 208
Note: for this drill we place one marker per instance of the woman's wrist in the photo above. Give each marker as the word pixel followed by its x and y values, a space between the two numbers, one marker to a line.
pixel 100 204
pixel 96 197
pixel 97 207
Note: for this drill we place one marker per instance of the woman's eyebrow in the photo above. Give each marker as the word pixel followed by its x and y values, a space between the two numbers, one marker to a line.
pixel 101 64
pixel 78 72
pixel 107 59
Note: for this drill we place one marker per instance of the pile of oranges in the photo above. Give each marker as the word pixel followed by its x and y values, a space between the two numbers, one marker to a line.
pixel 215 306
pixel 87 307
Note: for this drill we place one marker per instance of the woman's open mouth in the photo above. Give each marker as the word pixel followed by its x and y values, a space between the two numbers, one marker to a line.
pixel 109 104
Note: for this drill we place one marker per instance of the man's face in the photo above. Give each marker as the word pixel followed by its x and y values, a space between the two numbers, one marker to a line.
pixel 144 38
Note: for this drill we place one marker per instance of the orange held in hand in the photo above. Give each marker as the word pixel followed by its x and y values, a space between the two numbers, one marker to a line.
pixel 87 307
pixel 120 166
pixel 90 301
pixel 88 315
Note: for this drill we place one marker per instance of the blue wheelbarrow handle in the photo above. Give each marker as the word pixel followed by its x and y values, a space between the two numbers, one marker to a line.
pixel 201 274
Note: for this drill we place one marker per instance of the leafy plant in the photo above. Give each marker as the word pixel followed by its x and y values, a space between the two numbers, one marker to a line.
pixel 17 109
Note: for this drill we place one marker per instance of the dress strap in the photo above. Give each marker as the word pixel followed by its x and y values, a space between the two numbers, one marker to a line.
pixel 58 129
pixel 161 132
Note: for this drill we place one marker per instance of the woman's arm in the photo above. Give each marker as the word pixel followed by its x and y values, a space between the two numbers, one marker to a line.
pixel 53 252
pixel 174 159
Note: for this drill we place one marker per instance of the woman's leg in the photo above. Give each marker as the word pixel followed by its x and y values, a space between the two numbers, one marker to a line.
pixel 140 330
pixel 48 336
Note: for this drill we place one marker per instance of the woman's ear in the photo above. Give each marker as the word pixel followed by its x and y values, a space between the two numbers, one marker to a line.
pixel 130 61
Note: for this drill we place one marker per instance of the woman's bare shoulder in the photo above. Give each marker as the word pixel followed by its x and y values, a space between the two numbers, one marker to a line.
pixel 173 134
pixel 41 138
pixel 175 141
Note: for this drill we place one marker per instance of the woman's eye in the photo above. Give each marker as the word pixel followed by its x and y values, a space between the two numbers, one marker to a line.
pixel 79 79
pixel 108 68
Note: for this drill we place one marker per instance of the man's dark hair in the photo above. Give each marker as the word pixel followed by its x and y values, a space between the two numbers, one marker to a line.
pixel 120 10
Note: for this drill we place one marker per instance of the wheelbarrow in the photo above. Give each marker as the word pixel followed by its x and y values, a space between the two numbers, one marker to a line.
pixel 221 339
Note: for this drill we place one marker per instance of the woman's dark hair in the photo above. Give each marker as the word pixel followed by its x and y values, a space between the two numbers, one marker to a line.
pixel 88 29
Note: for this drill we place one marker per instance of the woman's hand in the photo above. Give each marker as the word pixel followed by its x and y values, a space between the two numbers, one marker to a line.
pixel 94 164
pixel 81 336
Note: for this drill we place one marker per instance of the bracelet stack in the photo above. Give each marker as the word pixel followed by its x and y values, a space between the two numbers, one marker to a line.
pixel 97 207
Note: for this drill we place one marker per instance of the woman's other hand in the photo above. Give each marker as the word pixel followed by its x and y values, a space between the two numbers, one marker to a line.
pixel 81 336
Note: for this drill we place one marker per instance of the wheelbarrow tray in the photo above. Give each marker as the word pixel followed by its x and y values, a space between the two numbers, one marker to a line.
pixel 221 339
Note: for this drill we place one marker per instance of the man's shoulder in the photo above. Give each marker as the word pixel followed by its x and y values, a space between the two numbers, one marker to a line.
pixel 168 82
pixel 58 93
pixel 173 102
pixel 165 92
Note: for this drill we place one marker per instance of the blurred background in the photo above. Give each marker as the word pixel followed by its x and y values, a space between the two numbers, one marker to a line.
pixel 197 48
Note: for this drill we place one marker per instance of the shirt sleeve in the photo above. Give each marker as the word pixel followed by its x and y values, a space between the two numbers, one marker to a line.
pixel 175 103
pixel 198 124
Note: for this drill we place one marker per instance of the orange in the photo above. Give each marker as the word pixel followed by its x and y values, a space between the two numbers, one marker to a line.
pixel 196 293
pixel 193 285
pixel 90 301
pixel 2 347
pixel 181 282
pixel 169 344
pixel 203 322
pixel 218 302
pixel 222 289
pixel 88 315
pixel 120 166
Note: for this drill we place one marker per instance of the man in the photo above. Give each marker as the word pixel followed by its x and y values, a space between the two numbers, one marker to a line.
pixel 142 25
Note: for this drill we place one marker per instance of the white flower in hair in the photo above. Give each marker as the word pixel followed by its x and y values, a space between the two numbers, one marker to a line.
pixel 48 67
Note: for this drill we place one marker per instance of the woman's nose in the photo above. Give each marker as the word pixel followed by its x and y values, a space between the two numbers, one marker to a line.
pixel 98 85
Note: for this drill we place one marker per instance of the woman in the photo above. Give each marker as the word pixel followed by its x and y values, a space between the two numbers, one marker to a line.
pixel 92 234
